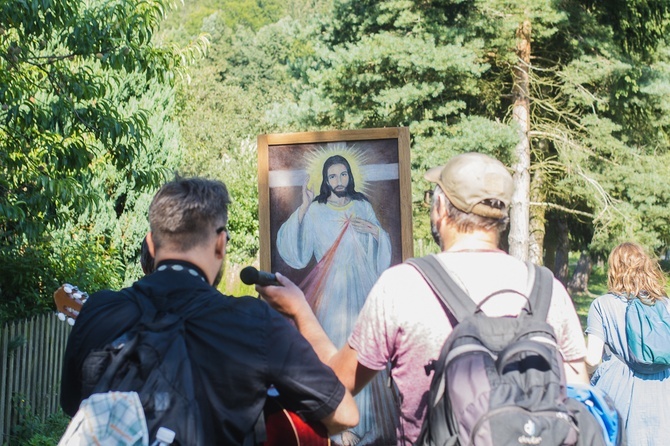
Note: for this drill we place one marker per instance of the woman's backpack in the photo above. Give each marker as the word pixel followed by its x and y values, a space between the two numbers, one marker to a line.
pixel 648 336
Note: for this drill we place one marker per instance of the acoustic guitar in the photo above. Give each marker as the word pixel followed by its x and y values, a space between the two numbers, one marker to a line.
pixel 69 299
pixel 283 427
pixel 286 428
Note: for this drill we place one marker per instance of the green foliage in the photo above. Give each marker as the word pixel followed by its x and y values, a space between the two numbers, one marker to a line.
pixel 611 136
pixel 402 63
pixel 86 103
pixel 60 59
pixel 33 430
pixel 637 25
pixel 446 69
pixel 252 14
pixel 222 112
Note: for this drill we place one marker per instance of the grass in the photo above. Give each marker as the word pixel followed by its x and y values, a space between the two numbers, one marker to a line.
pixel 597 287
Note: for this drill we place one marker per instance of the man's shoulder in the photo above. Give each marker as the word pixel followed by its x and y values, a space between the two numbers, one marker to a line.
pixel 399 281
pixel 400 271
pixel 111 298
pixel 247 306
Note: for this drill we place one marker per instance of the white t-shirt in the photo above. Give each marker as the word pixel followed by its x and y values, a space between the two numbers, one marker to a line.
pixel 403 322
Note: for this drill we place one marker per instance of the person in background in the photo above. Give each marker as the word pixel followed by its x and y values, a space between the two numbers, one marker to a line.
pixel 239 347
pixel 640 398
pixel 402 321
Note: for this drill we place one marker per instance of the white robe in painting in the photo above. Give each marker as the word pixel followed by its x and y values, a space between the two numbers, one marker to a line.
pixel 338 286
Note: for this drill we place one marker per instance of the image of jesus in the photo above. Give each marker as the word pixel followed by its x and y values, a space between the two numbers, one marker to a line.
pixel 339 229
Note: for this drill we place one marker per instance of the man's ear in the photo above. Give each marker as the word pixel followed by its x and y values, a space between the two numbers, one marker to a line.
pixel 440 208
pixel 220 246
pixel 150 244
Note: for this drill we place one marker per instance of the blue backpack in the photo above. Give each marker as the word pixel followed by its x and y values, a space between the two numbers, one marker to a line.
pixel 648 336
pixel 602 408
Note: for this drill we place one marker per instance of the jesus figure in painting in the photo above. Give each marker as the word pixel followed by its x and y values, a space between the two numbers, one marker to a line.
pixel 340 230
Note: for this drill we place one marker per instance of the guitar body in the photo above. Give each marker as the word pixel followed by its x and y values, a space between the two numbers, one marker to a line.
pixel 285 428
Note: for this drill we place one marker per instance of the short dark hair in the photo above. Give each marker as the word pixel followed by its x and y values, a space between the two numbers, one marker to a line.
pixel 186 212
pixel 324 191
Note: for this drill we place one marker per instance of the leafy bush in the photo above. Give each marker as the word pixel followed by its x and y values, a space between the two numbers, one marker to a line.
pixel 34 431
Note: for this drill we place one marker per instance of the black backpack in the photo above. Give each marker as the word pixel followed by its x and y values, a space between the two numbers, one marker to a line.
pixel 152 360
pixel 500 380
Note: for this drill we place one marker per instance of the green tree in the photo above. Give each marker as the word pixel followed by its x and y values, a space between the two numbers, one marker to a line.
pixel 451 70
pixel 71 140
pixel 225 108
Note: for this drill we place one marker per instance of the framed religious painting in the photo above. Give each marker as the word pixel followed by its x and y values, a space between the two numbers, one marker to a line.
pixel 293 175
pixel 335 212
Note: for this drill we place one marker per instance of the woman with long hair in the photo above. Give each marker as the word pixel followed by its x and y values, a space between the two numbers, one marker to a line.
pixel 640 398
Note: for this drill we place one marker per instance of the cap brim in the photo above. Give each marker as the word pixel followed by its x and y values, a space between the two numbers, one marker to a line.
pixel 433 175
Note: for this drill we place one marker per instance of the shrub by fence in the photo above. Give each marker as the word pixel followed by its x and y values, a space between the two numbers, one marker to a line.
pixel 30 369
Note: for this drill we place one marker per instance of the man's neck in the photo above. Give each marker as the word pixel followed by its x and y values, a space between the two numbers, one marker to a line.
pixel 475 241
pixel 181 265
pixel 190 257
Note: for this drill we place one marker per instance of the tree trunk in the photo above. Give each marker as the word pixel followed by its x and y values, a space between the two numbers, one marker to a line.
pixel 519 212
pixel 562 251
pixel 580 278
pixel 537 219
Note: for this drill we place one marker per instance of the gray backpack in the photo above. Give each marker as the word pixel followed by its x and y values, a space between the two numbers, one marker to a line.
pixel 500 380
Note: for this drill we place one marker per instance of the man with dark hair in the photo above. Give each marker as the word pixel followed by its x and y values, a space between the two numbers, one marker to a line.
pixel 339 229
pixel 238 347
pixel 404 323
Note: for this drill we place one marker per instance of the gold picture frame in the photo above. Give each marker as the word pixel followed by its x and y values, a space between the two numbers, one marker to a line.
pixel 383 158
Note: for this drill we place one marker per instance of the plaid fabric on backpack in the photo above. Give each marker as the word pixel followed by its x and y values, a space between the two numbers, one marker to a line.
pixel 499 381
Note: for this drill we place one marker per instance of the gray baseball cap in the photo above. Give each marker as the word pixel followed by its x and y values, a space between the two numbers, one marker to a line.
pixel 471 178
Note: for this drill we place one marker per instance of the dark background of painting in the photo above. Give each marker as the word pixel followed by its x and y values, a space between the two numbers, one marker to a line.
pixel 384 196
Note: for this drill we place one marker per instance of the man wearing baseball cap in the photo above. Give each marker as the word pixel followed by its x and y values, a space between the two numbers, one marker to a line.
pixel 403 323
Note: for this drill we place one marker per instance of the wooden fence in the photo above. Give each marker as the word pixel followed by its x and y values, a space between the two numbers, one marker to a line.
pixel 31 354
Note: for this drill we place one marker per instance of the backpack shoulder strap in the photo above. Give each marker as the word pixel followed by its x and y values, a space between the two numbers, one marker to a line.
pixel 540 295
pixel 454 300
pixel 147 308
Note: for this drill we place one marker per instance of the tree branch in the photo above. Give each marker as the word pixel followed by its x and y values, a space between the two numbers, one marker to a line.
pixel 562 208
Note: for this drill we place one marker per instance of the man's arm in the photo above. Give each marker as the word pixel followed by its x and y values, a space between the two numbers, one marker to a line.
pixel 344 417
pixel 290 301
pixel 575 372
pixel 298 372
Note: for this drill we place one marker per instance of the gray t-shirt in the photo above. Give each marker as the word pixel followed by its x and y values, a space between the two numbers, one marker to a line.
pixel 403 322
